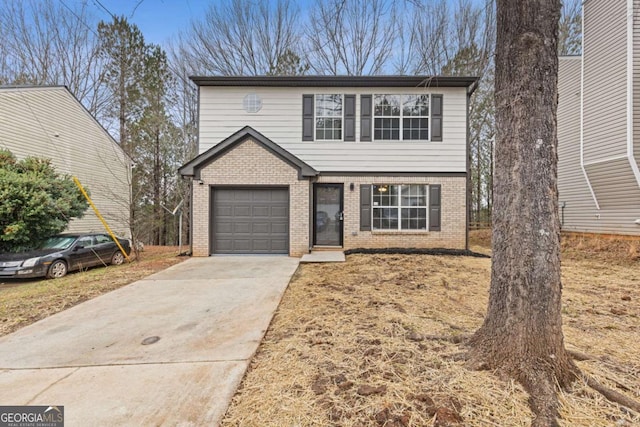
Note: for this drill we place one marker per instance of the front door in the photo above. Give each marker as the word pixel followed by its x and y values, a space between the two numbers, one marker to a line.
pixel 327 214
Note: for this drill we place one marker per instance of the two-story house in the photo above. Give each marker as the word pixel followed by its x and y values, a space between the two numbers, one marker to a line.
pixel 288 164
pixel 599 122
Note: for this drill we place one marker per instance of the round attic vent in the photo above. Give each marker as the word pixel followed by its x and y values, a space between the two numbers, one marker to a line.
pixel 252 103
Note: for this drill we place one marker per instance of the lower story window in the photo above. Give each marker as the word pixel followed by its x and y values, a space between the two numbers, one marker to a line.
pixel 399 207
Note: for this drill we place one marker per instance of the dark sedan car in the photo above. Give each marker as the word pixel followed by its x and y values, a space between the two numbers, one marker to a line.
pixel 63 253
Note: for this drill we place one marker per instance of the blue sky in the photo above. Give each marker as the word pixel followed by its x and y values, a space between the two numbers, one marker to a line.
pixel 159 20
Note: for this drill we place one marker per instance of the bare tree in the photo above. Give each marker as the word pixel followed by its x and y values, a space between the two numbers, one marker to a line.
pixel 353 37
pixel 241 37
pixel 522 331
pixel 44 42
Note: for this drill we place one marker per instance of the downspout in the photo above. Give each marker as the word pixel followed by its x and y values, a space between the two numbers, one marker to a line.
pixel 470 91
pixel 584 170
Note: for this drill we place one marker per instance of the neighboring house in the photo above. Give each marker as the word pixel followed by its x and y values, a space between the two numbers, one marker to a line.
pixel 599 123
pixel 49 122
pixel 288 164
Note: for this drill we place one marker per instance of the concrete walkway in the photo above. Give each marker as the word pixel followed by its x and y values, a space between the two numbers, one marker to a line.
pixel 210 314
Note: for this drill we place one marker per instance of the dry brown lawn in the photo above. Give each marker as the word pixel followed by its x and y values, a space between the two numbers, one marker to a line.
pixel 26 301
pixel 352 344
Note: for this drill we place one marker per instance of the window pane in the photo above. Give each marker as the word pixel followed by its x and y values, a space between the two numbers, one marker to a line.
pixel 386 128
pixel 329 105
pixel 329 117
pixel 414 195
pixel 415 105
pixel 414 218
pixel 386 105
pixel 385 195
pixel 415 128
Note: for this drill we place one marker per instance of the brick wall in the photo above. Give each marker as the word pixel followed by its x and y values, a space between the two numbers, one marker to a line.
pixel 250 164
pixel 453 211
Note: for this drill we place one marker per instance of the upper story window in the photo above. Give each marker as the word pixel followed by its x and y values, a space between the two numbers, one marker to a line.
pixel 401 117
pixel 328 123
pixel 382 117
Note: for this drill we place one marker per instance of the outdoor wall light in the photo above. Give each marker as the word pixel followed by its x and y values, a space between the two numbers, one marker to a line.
pixel 352 186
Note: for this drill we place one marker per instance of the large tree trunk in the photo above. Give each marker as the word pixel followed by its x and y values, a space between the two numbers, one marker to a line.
pixel 522 332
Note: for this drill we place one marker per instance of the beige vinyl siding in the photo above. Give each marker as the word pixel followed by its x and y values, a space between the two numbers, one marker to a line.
pixel 573 190
pixel 636 80
pixel 614 184
pixel 605 79
pixel 280 119
pixel 605 127
pixel 49 122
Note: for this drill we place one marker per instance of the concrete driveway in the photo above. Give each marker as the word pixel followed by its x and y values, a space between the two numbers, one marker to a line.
pixel 210 314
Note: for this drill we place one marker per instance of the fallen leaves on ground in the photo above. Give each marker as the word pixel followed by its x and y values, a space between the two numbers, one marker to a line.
pixel 354 344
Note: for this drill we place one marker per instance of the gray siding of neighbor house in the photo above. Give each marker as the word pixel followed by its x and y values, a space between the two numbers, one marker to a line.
pixel 49 122
pixel 605 80
pixel 604 123
pixel 636 80
pixel 572 186
pixel 280 120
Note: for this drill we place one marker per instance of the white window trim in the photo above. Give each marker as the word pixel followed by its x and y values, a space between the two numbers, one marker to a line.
pixel 399 208
pixel 315 118
pixel 400 117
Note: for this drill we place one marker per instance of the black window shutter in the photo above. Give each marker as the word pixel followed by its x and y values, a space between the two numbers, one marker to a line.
pixel 307 117
pixel 434 208
pixel 366 113
pixel 365 207
pixel 349 117
pixel 436 117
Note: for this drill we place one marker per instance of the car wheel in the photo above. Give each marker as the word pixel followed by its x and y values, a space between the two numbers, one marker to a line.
pixel 57 270
pixel 117 258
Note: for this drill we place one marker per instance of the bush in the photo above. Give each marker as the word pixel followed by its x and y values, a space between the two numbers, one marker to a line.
pixel 35 202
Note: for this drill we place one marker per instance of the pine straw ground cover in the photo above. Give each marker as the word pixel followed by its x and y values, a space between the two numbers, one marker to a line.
pixel 353 344
pixel 26 301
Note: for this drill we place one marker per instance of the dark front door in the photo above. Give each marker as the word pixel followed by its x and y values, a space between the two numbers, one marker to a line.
pixel 327 214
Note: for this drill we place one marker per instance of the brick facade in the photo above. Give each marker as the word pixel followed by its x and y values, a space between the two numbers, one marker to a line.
pixel 250 164
pixel 453 211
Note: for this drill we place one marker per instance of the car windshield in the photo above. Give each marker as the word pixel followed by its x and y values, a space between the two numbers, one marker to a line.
pixel 58 242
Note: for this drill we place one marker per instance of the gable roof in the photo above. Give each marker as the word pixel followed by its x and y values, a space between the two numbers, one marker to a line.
pixel 193 167
pixel 335 81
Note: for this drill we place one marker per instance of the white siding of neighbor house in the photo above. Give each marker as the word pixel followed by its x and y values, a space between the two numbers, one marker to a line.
pixel 49 122
pixel 280 119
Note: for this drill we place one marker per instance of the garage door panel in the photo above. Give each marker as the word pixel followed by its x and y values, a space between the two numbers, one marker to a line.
pixel 261 228
pixel 261 211
pixel 279 196
pixel 242 227
pixel 279 228
pixel 279 245
pixel 250 220
pixel 279 212
pixel 220 210
pixel 223 227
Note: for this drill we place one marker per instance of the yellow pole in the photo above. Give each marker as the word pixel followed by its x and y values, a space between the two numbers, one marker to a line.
pixel 106 226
